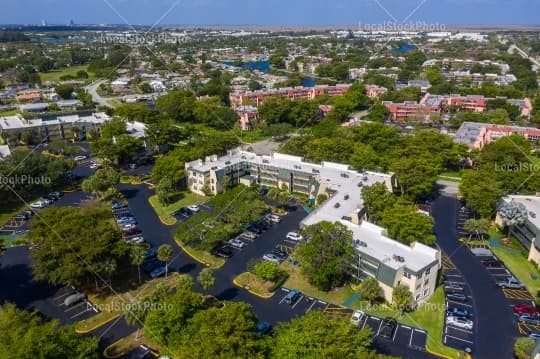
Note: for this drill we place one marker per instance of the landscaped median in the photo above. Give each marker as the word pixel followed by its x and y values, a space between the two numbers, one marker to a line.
pixel 112 305
pixel 201 256
pixel 123 346
pixel 428 316
pixel 164 212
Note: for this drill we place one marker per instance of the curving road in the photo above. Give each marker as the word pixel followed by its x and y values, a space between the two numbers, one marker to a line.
pixel 96 98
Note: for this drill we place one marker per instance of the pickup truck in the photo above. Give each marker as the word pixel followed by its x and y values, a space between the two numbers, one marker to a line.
pixel 510 283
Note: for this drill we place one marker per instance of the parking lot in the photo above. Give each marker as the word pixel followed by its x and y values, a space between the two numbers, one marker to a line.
pixel 463 215
pixel 76 312
pixel 455 336
pixel 405 335
pixel 140 352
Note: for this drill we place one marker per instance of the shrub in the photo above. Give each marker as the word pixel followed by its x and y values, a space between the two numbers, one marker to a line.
pixel 523 348
pixel 267 270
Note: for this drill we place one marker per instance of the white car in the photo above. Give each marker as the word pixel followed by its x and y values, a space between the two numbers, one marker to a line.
pixel 272 258
pixel 357 317
pixel 38 205
pixel 128 226
pixel 194 208
pixel 294 236
pixel 460 322
pixel 236 243
pixel 94 166
pixel 136 240
pixel 80 158
pixel 273 218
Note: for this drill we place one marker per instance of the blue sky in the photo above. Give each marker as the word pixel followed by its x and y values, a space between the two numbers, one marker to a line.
pixel 270 12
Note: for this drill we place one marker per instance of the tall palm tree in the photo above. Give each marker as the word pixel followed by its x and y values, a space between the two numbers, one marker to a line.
pixel 206 279
pixel 512 214
pixel 137 256
pixel 109 267
pixel 164 254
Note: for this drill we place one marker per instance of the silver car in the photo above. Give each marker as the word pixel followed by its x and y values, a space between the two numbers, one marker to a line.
pixel 272 258
pixel 460 322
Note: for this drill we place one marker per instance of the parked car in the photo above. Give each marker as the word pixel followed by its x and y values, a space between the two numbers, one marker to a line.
pixel 128 226
pixel 135 240
pixel 272 258
pixel 525 309
pixel 388 328
pixel 460 322
pixel 132 231
pixel 118 205
pixel 280 253
pixel 492 263
pixel 356 318
pixel 38 205
pixel 248 235
pixel 529 319
pixel 223 251
pixel 458 312
pixel 56 195
pixel 158 272
pixel 80 158
pixel 263 328
pixel 183 211
pixel 456 296
pixel 533 334
pixel 294 236
pixel 236 243
pixel 151 264
pixel 274 218
pixel 254 229
pixel 292 296
pixel 511 282
pixel 454 288
pixel 151 253
pixel 73 299
pixel 194 208
pixel 263 191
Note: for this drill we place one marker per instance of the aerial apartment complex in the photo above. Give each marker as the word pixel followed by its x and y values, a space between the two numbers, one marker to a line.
pixel 477 135
pixel 256 98
pixel 387 260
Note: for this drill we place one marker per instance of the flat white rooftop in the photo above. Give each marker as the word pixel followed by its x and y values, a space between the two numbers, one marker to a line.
pixel 19 122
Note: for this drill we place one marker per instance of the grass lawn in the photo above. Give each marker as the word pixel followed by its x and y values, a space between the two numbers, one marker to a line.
pixel 429 316
pixel 254 284
pixel 111 305
pixel 201 256
pixel 9 210
pixel 518 264
pixel 9 113
pixel 184 199
pixel 55 75
pixel 124 345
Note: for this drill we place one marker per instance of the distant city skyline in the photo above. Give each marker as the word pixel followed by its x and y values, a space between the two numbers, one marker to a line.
pixel 275 12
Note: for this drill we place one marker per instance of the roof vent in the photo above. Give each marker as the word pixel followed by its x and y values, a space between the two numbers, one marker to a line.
pixel 346 197
pixel 266 161
pixel 398 258
pixel 532 214
pixel 362 244
pixel 214 168
pixel 227 162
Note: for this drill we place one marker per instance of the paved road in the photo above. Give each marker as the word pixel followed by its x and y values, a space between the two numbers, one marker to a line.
pixel 92 90
pixel 494 326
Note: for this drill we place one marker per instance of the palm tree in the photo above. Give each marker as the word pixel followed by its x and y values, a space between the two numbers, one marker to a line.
pixel 477 227
pixel 512 214
pixel 109 267
pixel 370 289
pixel 402 298
pixel 137 256
pixel 164 254
pixel 206 279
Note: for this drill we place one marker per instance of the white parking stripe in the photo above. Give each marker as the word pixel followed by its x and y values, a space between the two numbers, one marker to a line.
pixel 311 306
pixel 379 330
pixel 365 321
pixel 372 317
pixel 282 299
pixel 463 340
pixel 395 333
pixel 298 301
pixel 285 289
pixel 322 301
pixel 406 327
pixel 459 329
pixel 410 340
pixel 460 303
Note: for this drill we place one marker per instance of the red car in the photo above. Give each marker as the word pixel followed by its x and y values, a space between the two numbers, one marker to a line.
pixel 525 309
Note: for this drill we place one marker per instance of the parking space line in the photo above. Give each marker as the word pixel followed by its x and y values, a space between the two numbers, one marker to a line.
pixel 80 313
pixel 282 299
pixel 372 317
pixel 379 330
pixel 298 301
pixel 410 339
pixel 404 326
pixel 456 338
pixel 365 321
pixel 322 301
pixel 395 333
pixel 458 329
pixel 460 303
pixel 69 309
pixel 311 306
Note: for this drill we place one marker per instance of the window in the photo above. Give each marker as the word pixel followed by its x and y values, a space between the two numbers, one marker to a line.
pixel 407 274
pixel 426 282
pixel 426 292
pixel 418 286
pixel 427 271
pixel 417 297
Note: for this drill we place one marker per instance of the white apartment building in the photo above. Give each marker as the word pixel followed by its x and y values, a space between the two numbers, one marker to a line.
pixel 387 260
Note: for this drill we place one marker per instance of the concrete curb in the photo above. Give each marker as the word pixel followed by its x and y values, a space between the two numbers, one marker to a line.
pixel 186 251
pixel 86 331
pixel 235 282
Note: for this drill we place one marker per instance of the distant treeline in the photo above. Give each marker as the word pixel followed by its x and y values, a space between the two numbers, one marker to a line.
pixel 12 36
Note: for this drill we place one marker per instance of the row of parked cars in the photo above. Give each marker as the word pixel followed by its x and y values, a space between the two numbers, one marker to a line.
pixel 127 223
pixel 153 266
pixel 47 200
pixel 388 326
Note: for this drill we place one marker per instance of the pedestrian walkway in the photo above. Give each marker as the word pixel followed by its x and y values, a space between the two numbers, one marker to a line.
pixel 495 242
pixel 352 299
